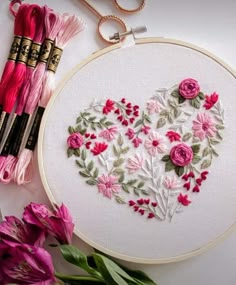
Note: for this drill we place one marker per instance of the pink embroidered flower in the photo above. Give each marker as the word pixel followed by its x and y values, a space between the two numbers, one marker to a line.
pixel 204 126
pixel 153 106
pixel 183 199
pixel 171 182
pixel 173 136
pixel 109 133
pixel 99 148
pixel 137 141
pixel 25 264
pixel 108 185
pixel 130 133
pixel 189 88
pixel 210 100
pixel 181 154
pixel 155 144
pixel 145 129
pixel 75 140
pixel 135 163
pixel 13 231
pixel 109 106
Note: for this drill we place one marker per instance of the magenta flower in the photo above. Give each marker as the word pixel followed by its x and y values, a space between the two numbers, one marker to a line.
pixel 58 223
pixel 155 144
pixel 189 88
pixel 75 140
pixel 13 232
pixel 25 264
pixel 173 136
pixel 107 185
pixel 153 106
pixel 181 154
pixel 210 100
pixel 137 141
pixel 204 126
pixel 130 133
pixel 109 133
pixel 183 199
pixel 135 163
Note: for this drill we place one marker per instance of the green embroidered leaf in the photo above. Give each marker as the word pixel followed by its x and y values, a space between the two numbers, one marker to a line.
pixel 206 151
pixel 85 114
pixel 147 119
pixel 196 103
pixel 175 93
pixel 95 173
pixel 90 166
pixel 181 99
pixel 122 178
pixel 78 129
pixel 186 137
pixel 220 127
pixel 91 182
pixel 172 103
pixel 132 182
pixel 118 171
pixel 83 131
pixel 71 130
pixel 120 140
pixel 196 148
pixel 165 157
pixel 70 152
pixel 145 192
pixel 164 113
pixel 196 140
pixel 219 135
pixel 141 184
pixel 161 123
pixel 85 123
pixel 177 112
pixel 91 119
pixel 125 188
pixel 119 200
pixel 214 152
pixel 118 162
pixel 102 120
pixel 84 174
pixel 125 150
pixel 83 155
pixel 138 123
pixel 206 163
pixel 80 163
pixel 77 152
pixel 201 95
pixel 116 152
pixel 93 126
pixel 169 166
pixel 108 124
pixel 136 192
pixel 170 118
pixel 79 120
pixel 214 141
pixel 196 159
pixel 179 170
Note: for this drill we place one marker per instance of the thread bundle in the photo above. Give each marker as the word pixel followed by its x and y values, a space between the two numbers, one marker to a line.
pixel 34 84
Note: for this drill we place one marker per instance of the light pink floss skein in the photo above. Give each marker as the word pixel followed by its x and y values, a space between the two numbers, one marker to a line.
pixel 71 27
pixel 19 73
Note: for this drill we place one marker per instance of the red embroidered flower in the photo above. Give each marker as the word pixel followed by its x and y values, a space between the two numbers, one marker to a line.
pixel 137 141
pixel 210 100
pixel 151 215
pixel 145 129
pixel 173 136
pixel 99 148
pixel 183 199
pixel 130 133
pixel 109 106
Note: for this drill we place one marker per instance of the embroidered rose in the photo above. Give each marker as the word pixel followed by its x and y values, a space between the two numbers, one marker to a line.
pixel 155 144
pixel 108 185
pixel 181 154
pixel 75 140
pixel 204 126
pixel 189 88
pixel 210 100
pixel 135 163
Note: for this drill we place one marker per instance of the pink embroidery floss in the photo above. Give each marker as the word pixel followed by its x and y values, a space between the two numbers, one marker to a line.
pixel 24 168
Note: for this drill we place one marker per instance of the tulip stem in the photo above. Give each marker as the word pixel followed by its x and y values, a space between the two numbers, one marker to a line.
pixel 77 278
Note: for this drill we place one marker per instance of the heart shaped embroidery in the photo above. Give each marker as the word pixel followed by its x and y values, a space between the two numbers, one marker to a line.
pixel 152 160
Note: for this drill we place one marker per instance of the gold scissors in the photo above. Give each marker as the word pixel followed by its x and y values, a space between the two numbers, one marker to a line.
pixel 103 19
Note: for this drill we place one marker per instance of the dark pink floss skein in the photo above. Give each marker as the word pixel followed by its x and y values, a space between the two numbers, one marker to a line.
pixel 24 167
pixel 10 64
pixel 19 73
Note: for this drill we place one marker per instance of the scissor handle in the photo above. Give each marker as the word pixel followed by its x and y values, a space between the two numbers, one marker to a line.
pixel 113 18
pixel 130 11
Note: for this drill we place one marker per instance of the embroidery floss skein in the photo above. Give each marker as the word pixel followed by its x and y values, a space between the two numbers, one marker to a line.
pixel 53 24
pixel 24 167
pixel 19 73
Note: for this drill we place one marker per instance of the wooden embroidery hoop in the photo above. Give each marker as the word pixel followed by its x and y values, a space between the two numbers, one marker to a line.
pixel 52 199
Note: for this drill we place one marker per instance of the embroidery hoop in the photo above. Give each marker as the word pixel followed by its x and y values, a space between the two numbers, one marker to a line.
pixel 167 259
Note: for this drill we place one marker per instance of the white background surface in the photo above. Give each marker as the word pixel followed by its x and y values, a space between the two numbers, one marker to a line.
pixel 208 24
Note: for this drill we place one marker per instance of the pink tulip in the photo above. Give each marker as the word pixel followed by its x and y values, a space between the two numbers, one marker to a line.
pixel 13 232
pixel 26 264
pixel 58 223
